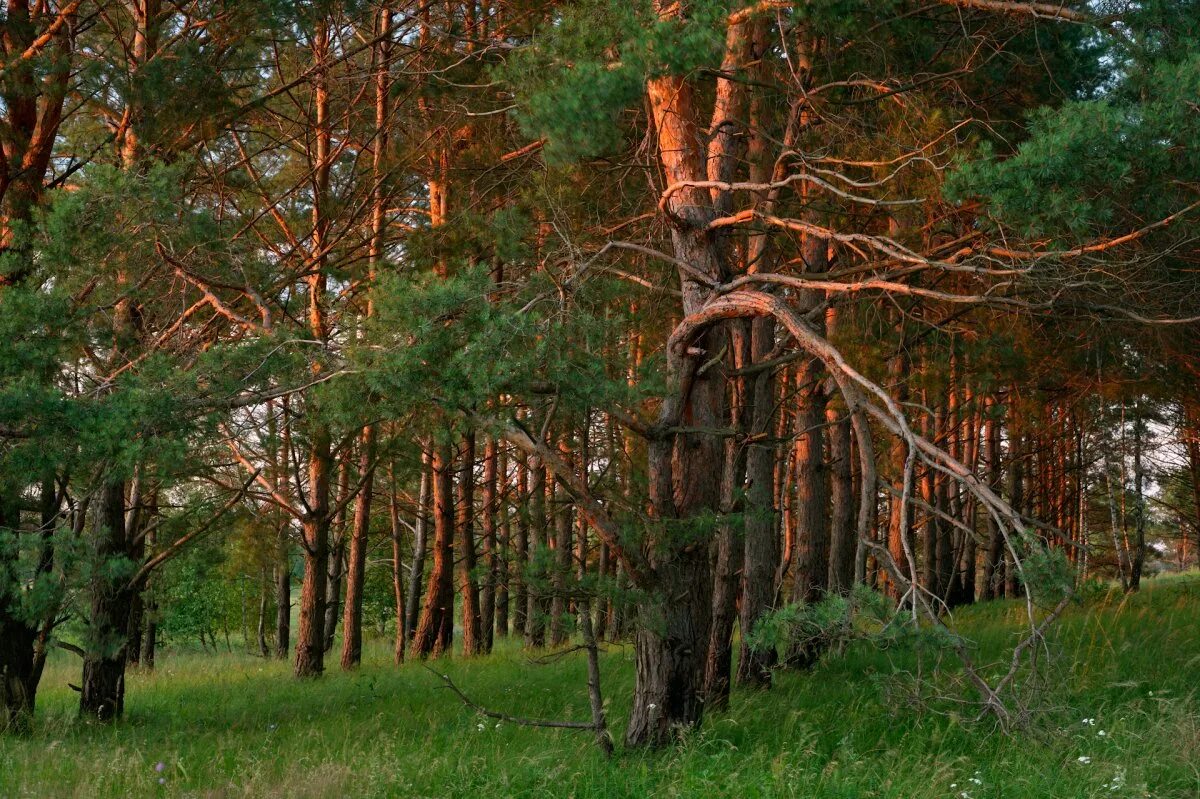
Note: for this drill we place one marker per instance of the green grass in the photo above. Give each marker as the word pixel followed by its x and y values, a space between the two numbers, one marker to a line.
pixel 233 726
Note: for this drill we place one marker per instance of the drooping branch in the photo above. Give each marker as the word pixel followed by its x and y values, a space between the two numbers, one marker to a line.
pixel 177 545
pixel 864 397
pixel 600 520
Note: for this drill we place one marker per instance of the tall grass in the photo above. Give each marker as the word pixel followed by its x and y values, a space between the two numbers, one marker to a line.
pixel 232 726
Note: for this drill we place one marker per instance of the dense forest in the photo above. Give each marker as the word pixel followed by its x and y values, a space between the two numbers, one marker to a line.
pixel 733 332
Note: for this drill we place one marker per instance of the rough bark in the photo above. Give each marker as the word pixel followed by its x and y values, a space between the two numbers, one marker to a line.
pixel 559 577
pixel 32 97
pixel 899 517
pixel 102 694
pixel 434 630
pixel 731 545
pixel 1016 499
pixel 310 635
pixel 400 642
pixel 17 637
pixel 843 534
pixel 761 552
pixel 1137 560
pixel 356 565
pixel 535 605
pixel 491 554
pixel 504 564
pixel 684 469
pixel 468 586
pixel 1192 432
pixel 314 523
pixel 811 561
pixel 420 545
pixel 337 557
pixel 520 595
pixel 946 561
pixel 283 591
pixel 993 561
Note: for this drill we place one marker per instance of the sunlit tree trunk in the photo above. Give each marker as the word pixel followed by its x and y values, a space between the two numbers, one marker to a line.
pixel 468 586
pixel 434 629
pixel 314 524
pixel 491 554
pixel 337 554
pixel 684 471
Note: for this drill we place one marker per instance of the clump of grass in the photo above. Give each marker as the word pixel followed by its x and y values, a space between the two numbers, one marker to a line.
pixel 238 726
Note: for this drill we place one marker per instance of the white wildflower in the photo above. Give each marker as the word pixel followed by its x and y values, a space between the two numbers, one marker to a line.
pixel 1089 722
pixel 1084 759
pixel 1102 734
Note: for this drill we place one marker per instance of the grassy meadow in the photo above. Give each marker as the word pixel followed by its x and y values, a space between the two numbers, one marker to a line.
pixel 1122 720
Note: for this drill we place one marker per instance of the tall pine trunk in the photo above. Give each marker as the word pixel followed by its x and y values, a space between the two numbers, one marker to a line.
pixel 503 573
pixel 434 631
pixel 491 554
pixel 416 571
pixel 560 576
pixel 760 556
pixel 356 566
pixel 402 630
pixel 467 584
pixel 17 637
pixel 718 676
pixel 535 604
pixel 102 694
pixel 843 536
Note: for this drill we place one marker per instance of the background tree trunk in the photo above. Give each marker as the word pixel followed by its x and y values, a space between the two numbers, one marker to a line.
pixel 468 586
pixel 102 694
pixel 431 636
pixel 356 572
pixel 416 572
pixel 761 526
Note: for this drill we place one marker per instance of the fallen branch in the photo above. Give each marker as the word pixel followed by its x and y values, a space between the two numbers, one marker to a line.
pixel 495 714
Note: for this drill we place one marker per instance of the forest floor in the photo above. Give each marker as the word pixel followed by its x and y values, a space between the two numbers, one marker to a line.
pixel 1122 720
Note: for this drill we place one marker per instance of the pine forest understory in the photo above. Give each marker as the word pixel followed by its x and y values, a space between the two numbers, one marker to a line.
pixel 599 398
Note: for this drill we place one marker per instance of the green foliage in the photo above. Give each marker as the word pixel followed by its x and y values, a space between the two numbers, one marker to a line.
pixel 834 622
pixel 194 598
pixel 590 65
pixel 34 593
pixel 447 345
pixel 214 587
pixel 1096 166
pixel 1046 572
